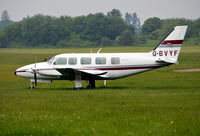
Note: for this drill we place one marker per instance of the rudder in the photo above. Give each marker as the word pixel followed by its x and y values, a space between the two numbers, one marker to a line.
pixel 168 50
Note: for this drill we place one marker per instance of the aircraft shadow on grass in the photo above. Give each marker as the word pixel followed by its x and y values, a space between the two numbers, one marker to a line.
pixel 83 89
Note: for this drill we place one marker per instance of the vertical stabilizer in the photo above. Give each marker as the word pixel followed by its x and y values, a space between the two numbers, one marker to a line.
pixel 168 50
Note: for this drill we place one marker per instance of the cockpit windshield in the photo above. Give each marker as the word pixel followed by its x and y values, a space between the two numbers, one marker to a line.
pixel 50 61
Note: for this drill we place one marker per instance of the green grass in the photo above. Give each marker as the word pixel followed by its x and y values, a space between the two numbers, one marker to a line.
pixel 155 103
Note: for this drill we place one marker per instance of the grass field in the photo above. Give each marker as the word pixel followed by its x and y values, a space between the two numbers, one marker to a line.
pixel 155 103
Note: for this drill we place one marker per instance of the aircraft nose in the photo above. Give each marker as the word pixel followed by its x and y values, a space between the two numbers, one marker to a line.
pixel 20 71
pixel 17 72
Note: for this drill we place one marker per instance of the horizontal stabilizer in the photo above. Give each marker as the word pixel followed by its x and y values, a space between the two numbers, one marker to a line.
pixel 167 61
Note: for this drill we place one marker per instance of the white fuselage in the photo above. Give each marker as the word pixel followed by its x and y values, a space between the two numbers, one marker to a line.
pixel 105 65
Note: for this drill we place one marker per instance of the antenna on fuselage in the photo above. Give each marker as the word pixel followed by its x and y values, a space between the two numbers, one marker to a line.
pixel 99 50
pixel 105 82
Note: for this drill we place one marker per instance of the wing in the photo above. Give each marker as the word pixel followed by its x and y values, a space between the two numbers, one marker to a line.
pixel 86 74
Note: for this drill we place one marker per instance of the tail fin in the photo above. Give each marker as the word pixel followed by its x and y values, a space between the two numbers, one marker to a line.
pixel 168 50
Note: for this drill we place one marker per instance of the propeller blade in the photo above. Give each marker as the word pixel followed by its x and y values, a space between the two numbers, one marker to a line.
pixel 35 77
pixel 35 73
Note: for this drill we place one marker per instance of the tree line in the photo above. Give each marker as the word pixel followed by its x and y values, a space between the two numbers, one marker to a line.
pixel 92 30
pixel 155 28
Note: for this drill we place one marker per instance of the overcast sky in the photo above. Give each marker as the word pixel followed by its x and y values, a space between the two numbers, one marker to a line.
pixel 18 9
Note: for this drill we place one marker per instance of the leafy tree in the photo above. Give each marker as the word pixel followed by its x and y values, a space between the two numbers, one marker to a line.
pixel 169 24
pixel 3 41
pixel 91 30
pixel 133 20
pixel 114 26
pixel 151 25
pixel 106 41
pixel 126 38
pixel 99 25
pixel 41 29
pixel 115 12
pixel 78 24
pixel 195 29
pixel 5 16
pixel 94 27
pixel 5 19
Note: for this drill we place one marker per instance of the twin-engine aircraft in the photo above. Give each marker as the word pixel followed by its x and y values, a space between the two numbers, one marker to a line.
pixel 104 66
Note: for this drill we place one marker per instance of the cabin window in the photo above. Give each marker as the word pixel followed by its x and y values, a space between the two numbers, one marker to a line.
pixel 86 60
pixel 100 60
pixel 72 61
pixel 60 61
pixel 115 60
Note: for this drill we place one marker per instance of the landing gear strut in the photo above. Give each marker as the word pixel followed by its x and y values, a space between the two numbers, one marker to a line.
pixel 91 84
pixel 32 85
pixel 78 81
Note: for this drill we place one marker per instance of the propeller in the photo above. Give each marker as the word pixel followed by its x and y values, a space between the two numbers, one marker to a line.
pixel 34 71
pixel 35 75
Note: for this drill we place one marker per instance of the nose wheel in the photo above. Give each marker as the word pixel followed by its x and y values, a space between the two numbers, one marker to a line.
pixel 32 85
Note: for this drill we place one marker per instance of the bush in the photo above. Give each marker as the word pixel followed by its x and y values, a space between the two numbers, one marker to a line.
pixel 106 41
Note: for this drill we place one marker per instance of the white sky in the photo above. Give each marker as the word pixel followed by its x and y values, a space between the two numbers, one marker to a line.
pixel 18 9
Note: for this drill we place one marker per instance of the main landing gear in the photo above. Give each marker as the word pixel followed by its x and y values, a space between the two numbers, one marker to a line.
pixel 91 84
pixel 78 81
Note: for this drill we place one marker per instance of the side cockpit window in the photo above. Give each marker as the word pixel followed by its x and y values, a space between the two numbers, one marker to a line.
pixel 50 60
pixel 60 61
